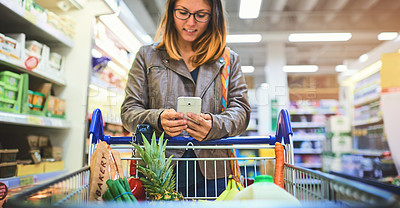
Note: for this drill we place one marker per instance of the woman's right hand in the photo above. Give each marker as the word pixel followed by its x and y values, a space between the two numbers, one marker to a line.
pixel 172 122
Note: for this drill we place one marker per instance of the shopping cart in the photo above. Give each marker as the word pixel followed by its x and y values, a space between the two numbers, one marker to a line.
pixel 312 188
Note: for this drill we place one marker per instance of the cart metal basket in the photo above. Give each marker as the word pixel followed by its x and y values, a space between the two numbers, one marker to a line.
pixel 312 188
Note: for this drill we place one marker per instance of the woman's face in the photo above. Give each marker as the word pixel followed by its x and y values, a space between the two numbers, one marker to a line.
pixel 190 29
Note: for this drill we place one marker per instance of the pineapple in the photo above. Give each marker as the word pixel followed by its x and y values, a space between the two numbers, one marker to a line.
pixel 159 181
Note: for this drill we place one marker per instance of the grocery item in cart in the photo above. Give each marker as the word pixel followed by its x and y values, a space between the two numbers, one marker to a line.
pixel 104 164
pixel 265 189
pixel 160 178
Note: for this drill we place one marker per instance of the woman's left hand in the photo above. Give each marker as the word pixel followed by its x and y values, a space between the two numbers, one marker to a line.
pixel 200 129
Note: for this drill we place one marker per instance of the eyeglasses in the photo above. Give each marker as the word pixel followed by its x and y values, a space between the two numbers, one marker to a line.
pixel 198 16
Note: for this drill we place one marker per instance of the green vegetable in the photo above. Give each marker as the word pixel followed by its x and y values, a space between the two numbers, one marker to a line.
pixel 119 191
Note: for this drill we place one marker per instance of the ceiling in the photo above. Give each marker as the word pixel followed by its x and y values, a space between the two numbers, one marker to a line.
pixel 365 19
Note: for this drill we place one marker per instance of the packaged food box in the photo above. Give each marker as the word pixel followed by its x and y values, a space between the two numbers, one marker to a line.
pixel 43 141
pixel 37 100
pixel 60 110
pixel 8 169
pixel 55 60
pixel 2 40
pixel 53 152
pixel 34 47
pixel 8 155
pixel 10 78
pixel 33 141
pixel 2 89
pixel 51 104
pixel 10 92
pixel 10 45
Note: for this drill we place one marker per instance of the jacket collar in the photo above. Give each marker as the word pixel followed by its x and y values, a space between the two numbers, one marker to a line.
pixel 207 72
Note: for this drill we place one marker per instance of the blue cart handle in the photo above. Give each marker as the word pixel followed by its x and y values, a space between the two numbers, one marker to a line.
pixel 283 131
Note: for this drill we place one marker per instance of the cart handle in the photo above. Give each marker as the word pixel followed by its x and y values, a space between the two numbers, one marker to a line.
pixel 96 126
pixel 284 127
pixel 284 130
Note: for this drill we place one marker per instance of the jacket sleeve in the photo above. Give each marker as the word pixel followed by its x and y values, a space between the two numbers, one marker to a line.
pixel 235 119
pixel 135 108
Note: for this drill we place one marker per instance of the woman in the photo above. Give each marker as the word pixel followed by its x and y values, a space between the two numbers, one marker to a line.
pixel 187 63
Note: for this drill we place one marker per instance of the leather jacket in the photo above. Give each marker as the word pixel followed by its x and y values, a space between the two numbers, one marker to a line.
pixel 156 81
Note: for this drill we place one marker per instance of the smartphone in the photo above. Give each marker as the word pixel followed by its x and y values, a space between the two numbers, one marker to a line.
pixel 189 104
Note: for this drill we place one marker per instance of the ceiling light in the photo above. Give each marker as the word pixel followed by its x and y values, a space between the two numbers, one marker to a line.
pixel 387 35
pixel 341 68
pixel 249 38
pixel 363 58
pixel 247 69
pixel 117 69
pixel 249 9
pixel 313 37
pixel 300 68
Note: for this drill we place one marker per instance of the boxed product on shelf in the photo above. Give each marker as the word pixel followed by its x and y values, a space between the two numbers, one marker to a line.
pixel 8 155
pixel 33 141
pixel 53 166
pixel 10 78
pixel 43 141
pixel 33 47
pixel 55 60
pixel 8 169
pixel 23 170
pixel 13 45
pixel 52 152
pixel 338 124
pixel 11 86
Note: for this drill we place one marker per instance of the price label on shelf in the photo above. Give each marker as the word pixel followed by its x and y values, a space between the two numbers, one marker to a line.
pixel 26 181
pixel 34 120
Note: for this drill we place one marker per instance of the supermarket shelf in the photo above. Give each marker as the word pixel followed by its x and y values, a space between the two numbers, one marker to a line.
pixel 34 28
pixel 309 165
pixel 307 125
pixel 369 152
pixel 360 102
pixel 312 111
pixel 18 65
pixel 309 137
pixel 102 84
pixel 369 121
pixel 307 151
pixel 15 182
pixel 31 120
pixel 111 53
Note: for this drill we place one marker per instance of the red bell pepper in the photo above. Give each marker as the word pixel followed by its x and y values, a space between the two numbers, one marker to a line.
pixel 132 167
pixel 137 189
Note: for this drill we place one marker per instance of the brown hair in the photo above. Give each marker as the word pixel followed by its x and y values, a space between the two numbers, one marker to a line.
pixel 207 48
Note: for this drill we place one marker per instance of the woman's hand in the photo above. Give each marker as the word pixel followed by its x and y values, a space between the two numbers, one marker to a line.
pixel 200 129
pixel 172 122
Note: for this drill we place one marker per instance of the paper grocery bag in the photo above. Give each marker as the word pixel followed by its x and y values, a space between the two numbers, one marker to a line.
pixel 99 172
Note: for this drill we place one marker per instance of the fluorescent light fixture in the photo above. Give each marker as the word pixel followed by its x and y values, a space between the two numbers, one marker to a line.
pixel 315 37
pixel 300 68
pixel 117 69
pixel 247 69
pixel 96 53
pixel 363 58
pixel 249 9
pixel 245 38
pixel 341 68
pixel 122 32
pixel 387 35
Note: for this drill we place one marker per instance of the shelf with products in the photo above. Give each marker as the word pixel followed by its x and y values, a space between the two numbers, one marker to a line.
pixel 45 30
pixel 34 22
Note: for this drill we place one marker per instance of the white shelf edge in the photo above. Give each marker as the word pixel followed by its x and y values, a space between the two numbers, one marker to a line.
pixel 310 137
pixel 32 120
pixel 51 31
pixel 310 165
pixel 114 57
pixel 307 125
pixel 368 121
pixel 18 65
pixel 15 181
pixel 307 151
pixel 102 84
